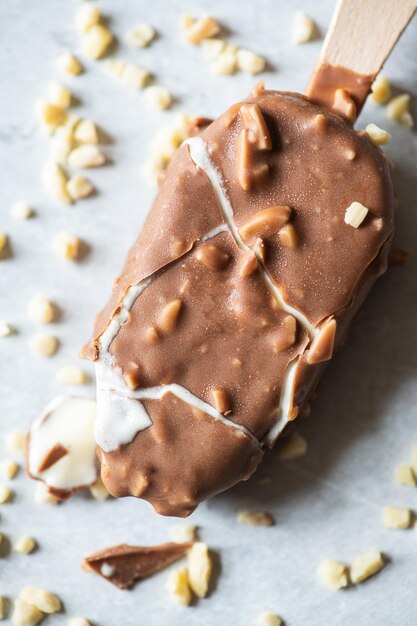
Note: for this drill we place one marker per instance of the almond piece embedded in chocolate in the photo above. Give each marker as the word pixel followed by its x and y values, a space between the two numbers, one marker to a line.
pixel 257 130
pixel 169 315
pixel 248 264
pixel 212 257
pixel 266 222
pixel 124 565
pixel 222 401
pixel 321 348
pixel 288 236
pixel 344 104
pixel 52 456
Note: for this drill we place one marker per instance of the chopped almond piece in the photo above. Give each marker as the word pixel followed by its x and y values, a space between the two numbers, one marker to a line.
pixel 366 565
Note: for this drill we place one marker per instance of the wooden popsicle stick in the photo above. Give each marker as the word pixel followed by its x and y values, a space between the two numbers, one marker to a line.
pixel 360 38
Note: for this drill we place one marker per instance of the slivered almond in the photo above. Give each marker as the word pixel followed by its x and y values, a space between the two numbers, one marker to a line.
pixel 288 236
pixel 222 401
pixel 52 456
pixel 151 335
pixel 343 104
pixel 212 257
pixel 243 161
pixel 248 264
pixel 257 130
pixel 266 222
pixel 321 348
pixel 286 335
pixel 169 315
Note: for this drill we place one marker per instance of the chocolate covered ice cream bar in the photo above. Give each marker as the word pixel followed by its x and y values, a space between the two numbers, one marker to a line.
pixel 268 232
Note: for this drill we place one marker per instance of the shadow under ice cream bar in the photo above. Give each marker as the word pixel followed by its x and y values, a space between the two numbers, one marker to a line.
pixel 267 234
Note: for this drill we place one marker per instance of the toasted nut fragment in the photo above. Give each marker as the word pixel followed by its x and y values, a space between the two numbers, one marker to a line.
pixel 54 454
pixel 16 442
pixel 396 517
pixel 55 182
pixel 59 95
pixel 152 336
pixel 42 599
pixel 72 375
pixel 2 608
pixel 24 545
pixel 5 494
pixel 62 143
pixel 321 348
pixel 96 41
pixel 222 401
pixel 140 36
pixel 381 89
pixel 265 223
pixel 21 211
pixel 178 586
pixel 5 251
pixel 257 130
pixel 304 29
pixel 366 565
pixel 379 136
pixel 135 77
pixel 212 48
pixel 269 619
pixel 286 335
pixel 344 104
pixel 158 97
pixel 250 62
pixel 293 447
pixel 86 156
pixel 78 621
pixel 398 109
pixel 414 459
pixel 288 236
pixel 248 264
pixel 202 28
pixel 86 16
pixel 404 475
pixel 255 518
pixel 50 115
pixel 44 345
pixel 67 246
pixel 199 569
pixel 183 534
pixel 355 214
pixel 168 317
pixel 9 468
pixel 226 63
pixel 187 20
pixel 212 257
pixel 99 491
pixel 69 64
pixel 79 187
pixel 115 67
pixel 333 574
pixel 41 310
pixel 86 132
pixel 5 329
pixel 43 496
pixel 25 614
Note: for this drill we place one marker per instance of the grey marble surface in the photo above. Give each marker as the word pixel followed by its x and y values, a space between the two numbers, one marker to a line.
pixel 327 504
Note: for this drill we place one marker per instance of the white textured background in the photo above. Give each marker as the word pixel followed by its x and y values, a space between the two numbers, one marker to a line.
pixel 327 504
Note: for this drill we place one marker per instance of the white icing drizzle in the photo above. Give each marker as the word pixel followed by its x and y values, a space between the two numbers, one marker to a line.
pixel 285 404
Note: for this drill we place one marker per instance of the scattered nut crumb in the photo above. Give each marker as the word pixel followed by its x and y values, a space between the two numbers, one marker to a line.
pixel 43 344
pixel 6 329
pixel 98 490
pixel 378 135
pixel 212 48
pixel 206 26
pixel 79 187
pixel 226 63
pixel 199 569
pixel 396 517
pixel 5 494
pixel 21 211
pixel 333 574
pixel 2 607
pixel 178 586
pixel 398 109
pixel 96 41
pixel 5 250
pixel 137 78
pixel 78 621
pixel 86 132
pixel 381 89
pixel 55 182
pixel 250 62
pixel 67 246
pixel 24 545
pixel 404 475
pixel 269 619
pixel 115 67
pixel 61 144
pixel 44 600
pixel 16 442
pixel 255 518
pixel 140 36
pixel 86 156
pixel 304 28
pixel 59 95
pixel 87 15
pixel 50 115
pixel 25 614
pixel 158 97
pixel 355 214
pixel 69 64
pixel 72 375
pixel 43 496
pixel 41 310
pixel 9 468
pixel 366 565
pixel 292 448
pixel 183 534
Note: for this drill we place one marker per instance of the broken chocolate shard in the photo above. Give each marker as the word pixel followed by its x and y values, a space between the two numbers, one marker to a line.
pixel 125 565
